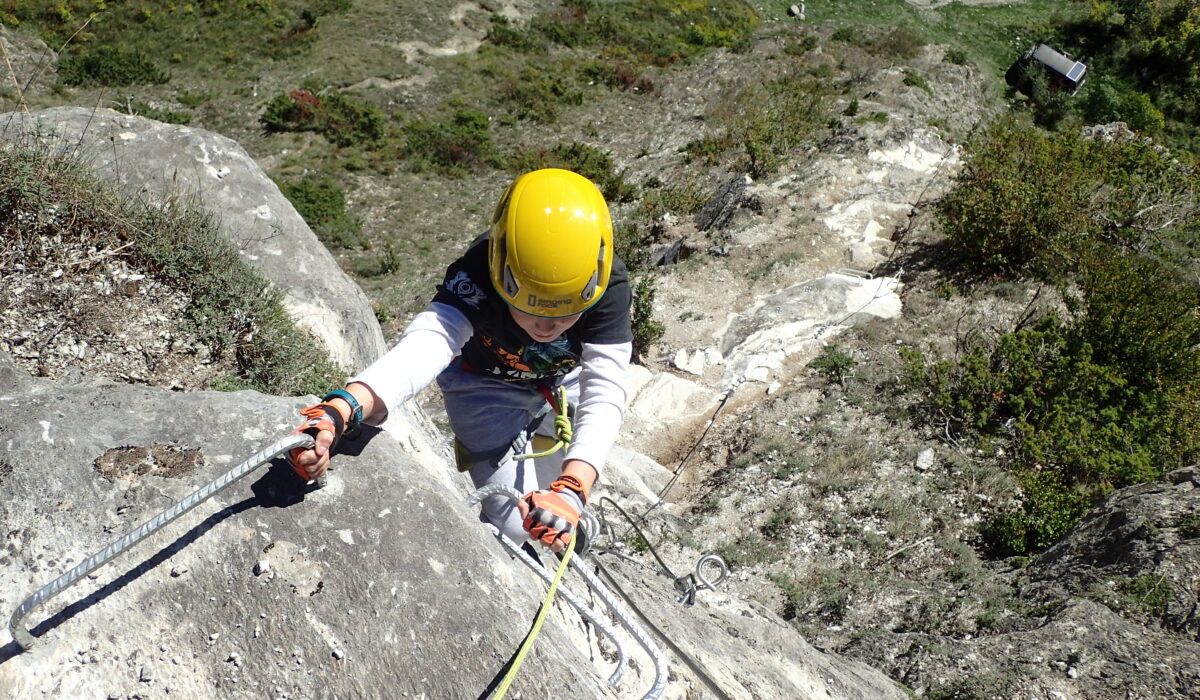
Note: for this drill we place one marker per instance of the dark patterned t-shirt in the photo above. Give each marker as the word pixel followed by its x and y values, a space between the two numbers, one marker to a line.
pixel 501 348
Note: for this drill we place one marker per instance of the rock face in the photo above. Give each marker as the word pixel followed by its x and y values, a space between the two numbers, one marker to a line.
pixel 381 583
pixel 1144 542
pixel 1111 611
pixel 162 162
pixel 30 59
pixel 266 589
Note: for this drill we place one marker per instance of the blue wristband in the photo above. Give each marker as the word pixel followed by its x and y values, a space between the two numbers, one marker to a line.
pixel 355 409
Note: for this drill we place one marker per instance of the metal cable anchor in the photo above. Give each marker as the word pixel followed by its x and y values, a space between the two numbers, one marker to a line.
pixel 688 585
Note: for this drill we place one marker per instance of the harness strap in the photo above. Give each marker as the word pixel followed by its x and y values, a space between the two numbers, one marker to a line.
pixel 562 428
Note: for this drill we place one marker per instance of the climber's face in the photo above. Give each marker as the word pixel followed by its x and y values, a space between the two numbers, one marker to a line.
pixel 540 328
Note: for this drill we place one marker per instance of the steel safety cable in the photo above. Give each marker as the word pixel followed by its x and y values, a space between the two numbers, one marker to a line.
pixel 614 605
pixel 16 626
pixel 605 628
pixel 687 658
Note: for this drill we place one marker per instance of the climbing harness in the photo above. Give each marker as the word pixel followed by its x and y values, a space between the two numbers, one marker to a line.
pixel 562 423
pixel 527 438
pixel 587 523
pixel 16 626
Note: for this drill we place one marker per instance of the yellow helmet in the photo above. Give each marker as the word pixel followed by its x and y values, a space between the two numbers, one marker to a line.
pixel 550 249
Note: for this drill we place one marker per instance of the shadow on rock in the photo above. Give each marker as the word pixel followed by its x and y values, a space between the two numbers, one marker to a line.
pixel 279 487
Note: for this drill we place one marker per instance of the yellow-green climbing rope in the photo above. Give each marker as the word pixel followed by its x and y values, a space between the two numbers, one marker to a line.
pixel 537 623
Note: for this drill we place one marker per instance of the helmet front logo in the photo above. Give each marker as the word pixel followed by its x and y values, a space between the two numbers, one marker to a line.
pixel 539 302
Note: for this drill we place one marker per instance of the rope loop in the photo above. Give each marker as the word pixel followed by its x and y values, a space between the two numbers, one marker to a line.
pixel 562 425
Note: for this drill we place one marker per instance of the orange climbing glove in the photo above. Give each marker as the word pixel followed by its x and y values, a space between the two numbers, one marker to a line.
pixel 319 420
pixel 554 513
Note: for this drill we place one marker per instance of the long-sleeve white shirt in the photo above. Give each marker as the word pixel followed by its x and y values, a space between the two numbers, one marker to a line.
pixel 436 336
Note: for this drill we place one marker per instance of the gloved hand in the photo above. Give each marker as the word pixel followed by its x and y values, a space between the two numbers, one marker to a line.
pixel 552 515
pixel 326 424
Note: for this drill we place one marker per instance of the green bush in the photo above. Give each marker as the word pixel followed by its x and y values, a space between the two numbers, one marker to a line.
pixel 589 161
pixel 336 117
pixel 710 149
pixel 915 79
pixel 1021 201
pixel 455 147
pixel 956 56
pixel 323 205
pixel 658 32
pixel 894 42
pixel 1028 202
pixel 539 97
pixel 769 122
pixel 618 68
pixel 646 330
pixel 109 66
pixel 777 118
pixel 1153 48
pixel 683 199
pixel 234 308
pixel 834 364
pixel 847 35
pixel 1109 394
pixel 1106 399
pixel 503 33
pixel 1108 101
pixel 144 109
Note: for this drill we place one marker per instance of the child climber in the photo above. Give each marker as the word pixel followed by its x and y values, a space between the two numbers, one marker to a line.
pixel 536 306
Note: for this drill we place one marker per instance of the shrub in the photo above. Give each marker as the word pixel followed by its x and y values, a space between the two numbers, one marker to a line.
pixel 1106 399
pixel 1152 47
pixel 1020 202
pixel 503 33
pixel 778 117
pixel 661 32
pixel 646 330
pixel 111 67
pixel 336 117
pixel 533 95
pixel 617 68
pixel 1029 202
pixel 231 307
pixel 915 79
pixel 834 364
pixel 1147 595
pixel 455 147
pixel 956 56
pixel 710 149
pixel 323 205
pixel 847 35
pixel 895 42
pixel 682 199
pixel 1110 102
pixel 589 161
pixel 140 108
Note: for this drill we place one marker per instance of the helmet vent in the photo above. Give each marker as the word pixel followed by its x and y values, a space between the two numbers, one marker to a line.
pixel 510 283
pixel 590 290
